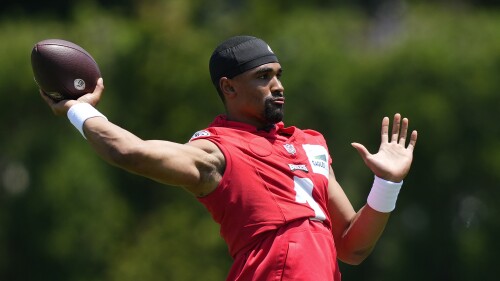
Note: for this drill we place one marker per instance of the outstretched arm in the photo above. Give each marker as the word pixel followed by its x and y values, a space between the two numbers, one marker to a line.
pixel 356 233
pixel 197 166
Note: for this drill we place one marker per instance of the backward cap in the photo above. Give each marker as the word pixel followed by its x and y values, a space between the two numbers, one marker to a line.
pixel 237 55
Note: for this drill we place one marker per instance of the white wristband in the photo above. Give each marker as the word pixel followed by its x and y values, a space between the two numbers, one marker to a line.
pixel 80 112
pixel 383 195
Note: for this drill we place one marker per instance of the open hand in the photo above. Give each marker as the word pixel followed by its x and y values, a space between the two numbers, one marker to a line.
pixel 393 160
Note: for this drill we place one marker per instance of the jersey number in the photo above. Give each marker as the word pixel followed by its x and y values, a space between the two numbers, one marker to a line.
pixel 303 189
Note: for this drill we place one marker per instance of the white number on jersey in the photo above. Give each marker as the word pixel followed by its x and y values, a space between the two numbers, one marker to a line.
pixel 303 189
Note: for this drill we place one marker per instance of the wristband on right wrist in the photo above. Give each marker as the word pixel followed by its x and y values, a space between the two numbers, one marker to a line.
pixel 383 195
pixel 80 112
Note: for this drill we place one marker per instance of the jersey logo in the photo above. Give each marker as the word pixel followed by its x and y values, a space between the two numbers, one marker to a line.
pixel 301 167
pixel 318 158
pixel 321 157
pixel 290 148
pixel 199 134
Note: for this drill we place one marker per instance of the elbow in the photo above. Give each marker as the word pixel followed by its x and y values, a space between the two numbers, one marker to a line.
pixel 355 257
pixel 354 260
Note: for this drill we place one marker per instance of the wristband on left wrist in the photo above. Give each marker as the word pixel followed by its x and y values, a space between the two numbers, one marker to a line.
pixel 383 195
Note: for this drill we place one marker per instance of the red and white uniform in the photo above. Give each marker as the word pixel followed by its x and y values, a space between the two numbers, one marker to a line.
pixel 271 203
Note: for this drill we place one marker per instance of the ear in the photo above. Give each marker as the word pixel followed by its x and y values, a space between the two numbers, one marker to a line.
pixel 226 86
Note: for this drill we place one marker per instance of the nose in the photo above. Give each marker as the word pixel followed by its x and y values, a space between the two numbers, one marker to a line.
pixel 276 86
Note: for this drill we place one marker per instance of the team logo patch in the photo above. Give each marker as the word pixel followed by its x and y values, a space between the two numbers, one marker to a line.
pixel 200 134
pixel 290 148
pixel 301 167
pixel 318 158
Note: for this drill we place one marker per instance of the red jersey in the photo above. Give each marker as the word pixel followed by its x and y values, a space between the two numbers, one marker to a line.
pixel 275 182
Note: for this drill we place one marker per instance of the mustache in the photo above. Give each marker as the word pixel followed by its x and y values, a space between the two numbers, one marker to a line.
pixel 275 96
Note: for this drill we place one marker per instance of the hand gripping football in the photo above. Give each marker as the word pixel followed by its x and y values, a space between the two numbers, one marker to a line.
pixel 63 69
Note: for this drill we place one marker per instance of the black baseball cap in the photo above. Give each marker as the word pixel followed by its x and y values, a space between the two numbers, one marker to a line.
pixel 237 55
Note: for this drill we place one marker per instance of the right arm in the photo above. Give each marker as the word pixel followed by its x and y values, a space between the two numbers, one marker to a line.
pixel 196 166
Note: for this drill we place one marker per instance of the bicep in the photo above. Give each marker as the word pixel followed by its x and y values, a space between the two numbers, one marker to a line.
pixel 170 163
pixel 339 207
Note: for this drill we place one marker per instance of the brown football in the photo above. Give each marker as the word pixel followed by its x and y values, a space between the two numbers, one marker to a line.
pixel 63 69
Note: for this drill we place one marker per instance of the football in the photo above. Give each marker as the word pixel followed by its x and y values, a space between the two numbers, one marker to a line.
pixel 63 69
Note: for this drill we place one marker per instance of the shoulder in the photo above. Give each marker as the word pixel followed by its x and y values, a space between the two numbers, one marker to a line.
pixel 204 140
pixel 205 145
pixel 310 135
pixel 312 132
pixel 211 167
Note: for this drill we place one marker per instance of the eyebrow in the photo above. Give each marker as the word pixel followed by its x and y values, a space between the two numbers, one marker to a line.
pixel 266 70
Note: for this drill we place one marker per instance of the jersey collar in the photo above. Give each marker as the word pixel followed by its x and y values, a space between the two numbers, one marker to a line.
pixel 278 129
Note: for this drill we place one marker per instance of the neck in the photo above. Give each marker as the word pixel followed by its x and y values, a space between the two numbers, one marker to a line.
pixel 266 128
pixel 260 126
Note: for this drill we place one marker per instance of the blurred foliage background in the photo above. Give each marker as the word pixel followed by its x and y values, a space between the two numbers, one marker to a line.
pixel 67 215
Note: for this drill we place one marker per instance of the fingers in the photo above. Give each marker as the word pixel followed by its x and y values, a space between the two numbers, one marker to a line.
pixel 385 130
pixel 61 107
pixel 45 97
pixel 99 88
pixel 52 103
pixel 395 127
pixel 413 140
pixel 404 131
pixel 399 131
pixel 361 150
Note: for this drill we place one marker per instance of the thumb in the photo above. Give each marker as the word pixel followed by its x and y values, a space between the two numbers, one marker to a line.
pixel 361 150
pixel 94 97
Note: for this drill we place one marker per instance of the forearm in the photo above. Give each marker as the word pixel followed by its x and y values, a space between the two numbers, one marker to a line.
pixel 356 233
pixel 112 143
pixel 163 161
pixel 362 234
pixel 108 140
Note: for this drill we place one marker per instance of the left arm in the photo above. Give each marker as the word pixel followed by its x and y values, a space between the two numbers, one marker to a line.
pixel 356 233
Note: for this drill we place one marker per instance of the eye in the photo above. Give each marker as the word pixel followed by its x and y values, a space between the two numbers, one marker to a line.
pixel 264 76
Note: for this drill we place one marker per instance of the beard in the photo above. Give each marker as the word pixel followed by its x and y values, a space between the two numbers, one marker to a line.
pixel 273 113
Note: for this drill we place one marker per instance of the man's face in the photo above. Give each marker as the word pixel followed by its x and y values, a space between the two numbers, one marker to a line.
pixel 260 94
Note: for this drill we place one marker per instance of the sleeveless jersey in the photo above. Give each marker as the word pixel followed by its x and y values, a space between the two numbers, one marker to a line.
pixel 272 179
